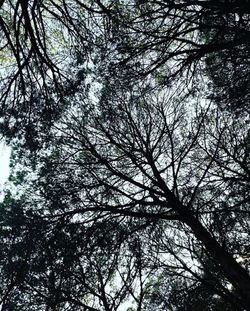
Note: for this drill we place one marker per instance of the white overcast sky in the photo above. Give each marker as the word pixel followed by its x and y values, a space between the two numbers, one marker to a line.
pixel 4 163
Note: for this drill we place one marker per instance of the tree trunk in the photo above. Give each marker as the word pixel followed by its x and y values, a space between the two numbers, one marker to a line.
pixel 237 275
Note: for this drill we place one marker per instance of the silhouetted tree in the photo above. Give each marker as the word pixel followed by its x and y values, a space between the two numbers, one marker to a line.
pixel 49 49
pixel 131 183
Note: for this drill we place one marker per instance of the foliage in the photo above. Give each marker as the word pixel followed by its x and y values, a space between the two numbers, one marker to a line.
pixel 130 165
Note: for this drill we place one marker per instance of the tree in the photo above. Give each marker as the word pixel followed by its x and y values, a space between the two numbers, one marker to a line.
pixel 136 185
pixel 62 265
pixel 143 155
pixel 138 39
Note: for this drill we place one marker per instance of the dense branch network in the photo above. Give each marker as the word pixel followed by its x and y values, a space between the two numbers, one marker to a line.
pixel 130 158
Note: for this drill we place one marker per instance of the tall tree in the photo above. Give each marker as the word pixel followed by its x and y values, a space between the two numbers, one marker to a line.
pixel 146 155
pixel 133 183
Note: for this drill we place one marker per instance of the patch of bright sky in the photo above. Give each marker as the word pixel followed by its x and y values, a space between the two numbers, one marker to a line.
pixel 4 165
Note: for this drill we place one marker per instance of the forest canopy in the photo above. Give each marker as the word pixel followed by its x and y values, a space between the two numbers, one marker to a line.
pixel 130 165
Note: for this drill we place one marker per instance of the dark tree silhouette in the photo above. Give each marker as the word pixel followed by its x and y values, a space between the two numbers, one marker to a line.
pixel 49 48
pixel 130 167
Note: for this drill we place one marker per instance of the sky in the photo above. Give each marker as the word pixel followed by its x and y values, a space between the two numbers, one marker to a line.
pixel 4 164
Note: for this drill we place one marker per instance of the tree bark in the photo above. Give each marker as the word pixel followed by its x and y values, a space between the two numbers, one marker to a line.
pixel 235 273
